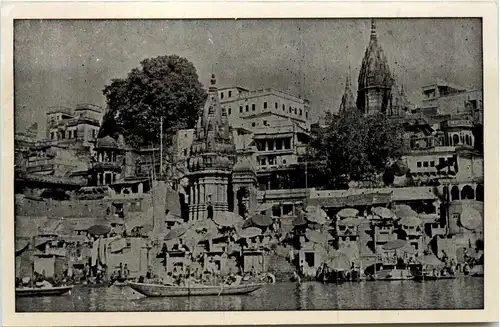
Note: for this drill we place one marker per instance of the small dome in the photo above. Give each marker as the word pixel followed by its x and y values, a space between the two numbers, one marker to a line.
pixel 107 142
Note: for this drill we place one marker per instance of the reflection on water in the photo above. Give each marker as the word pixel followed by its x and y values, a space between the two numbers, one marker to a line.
pixel 465 293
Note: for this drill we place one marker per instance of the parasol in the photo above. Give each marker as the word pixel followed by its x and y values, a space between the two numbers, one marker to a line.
pixel 115 220
pixel 347 212
pixel 99 230
pixel 247 223
pixel 383 212
pixel 470 218
pixel 318 237
pixel 249 232
pixel 404 210
pixel 339 262
pixel 408 248
pixel 394 245
pixel 410 221
pixel 349 222
pixel 226 218
pixel 316 215
pixel 175 232
pixel 262 220
pixel 264 207
pixel 430 260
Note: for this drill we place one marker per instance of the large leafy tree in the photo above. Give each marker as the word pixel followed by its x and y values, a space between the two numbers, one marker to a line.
pixel 356 147
pixel 165 86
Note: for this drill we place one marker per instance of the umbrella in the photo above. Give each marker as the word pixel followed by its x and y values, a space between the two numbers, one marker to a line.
pixel 300 220
pixel 318 237
pixel 410 221
pixel 339 262
pixel 226 218
pixel 247 223
pixel 176 232
pixel 262 220
pixel 394 245
pixel 408 248
pixel 249 232
pixel 352 253
pixel 115 220
pixel 347 212
pixel 383 212
pixel 404 210
pixel 264 207
pixel 430 260
pixel 349 222
pixel 99 230
pixel 316 215
pixel 470 218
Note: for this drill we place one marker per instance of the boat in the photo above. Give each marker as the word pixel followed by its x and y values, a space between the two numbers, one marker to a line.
pixel 431 277
pixel 155 290
pixel 394 274
pixel 43 291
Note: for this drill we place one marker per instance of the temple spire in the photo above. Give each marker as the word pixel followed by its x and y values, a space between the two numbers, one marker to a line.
pixel 347 102
pixel 373 34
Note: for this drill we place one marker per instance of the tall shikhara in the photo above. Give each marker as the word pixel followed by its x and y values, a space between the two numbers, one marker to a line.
pixel 375 79
pixel 347 102
pixel 211 159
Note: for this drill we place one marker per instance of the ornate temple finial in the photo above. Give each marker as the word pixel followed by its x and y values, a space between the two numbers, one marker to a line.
pixel 373 35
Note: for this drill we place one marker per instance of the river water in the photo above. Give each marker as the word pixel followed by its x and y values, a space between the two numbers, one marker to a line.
pixel 463 293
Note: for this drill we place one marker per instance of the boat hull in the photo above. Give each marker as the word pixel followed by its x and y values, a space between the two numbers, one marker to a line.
pixel 153 290
pixel 50 291
pixel 424 277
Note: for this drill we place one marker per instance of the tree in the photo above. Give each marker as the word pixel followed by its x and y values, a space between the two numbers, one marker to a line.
pixel 165 86
pixel 357 147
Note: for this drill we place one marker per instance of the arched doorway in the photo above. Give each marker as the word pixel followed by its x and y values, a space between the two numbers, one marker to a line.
pixel 480 192
pixel 468 192
pixel 455 193
pixel 456 139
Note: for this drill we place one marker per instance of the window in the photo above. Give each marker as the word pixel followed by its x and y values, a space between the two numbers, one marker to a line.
pixel 222 95
pixel 93 133
pixel 265 122
pixel 51 135
pixel 246 108
pixel 290 109
pixel 263 161
pixel 63 135
pixel 229 94
pixel 229 111
pixel 419 164
pixel 253 106
pixel 284 161
pixel 241 109
pixel 286 144
pixel 253 124
pixel 279 144
pixel 270 147
pixel 295 110
pixel 185 152
pixel 307 114
pixel 265 105
pixel 426 164
pixel 432 163
pixel 276 105
pixel 300 112
pixel 283 107
pixel 441 161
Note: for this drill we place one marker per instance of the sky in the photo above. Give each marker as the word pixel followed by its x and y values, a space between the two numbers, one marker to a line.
pixel 65 62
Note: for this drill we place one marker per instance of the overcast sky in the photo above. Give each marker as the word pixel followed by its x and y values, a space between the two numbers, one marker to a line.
pixel 70 62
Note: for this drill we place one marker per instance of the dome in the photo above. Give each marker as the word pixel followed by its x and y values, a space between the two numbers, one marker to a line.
pixel 107 142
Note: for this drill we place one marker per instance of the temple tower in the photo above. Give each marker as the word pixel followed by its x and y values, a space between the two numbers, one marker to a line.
pixel 375 79
pixel 347 102
pixel 211 160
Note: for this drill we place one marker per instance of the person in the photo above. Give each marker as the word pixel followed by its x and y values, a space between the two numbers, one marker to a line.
pixel 169 280
pixel 149 274
pixel 301 267
pixel 444 258
pixel 126 271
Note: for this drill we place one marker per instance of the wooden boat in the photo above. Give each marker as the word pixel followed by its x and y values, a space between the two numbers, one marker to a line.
pixel 154 290
pixel 43 291
pixel 431 277
pixel 394 274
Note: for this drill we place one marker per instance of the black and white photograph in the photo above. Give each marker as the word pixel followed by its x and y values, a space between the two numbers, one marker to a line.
pixel 284 164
